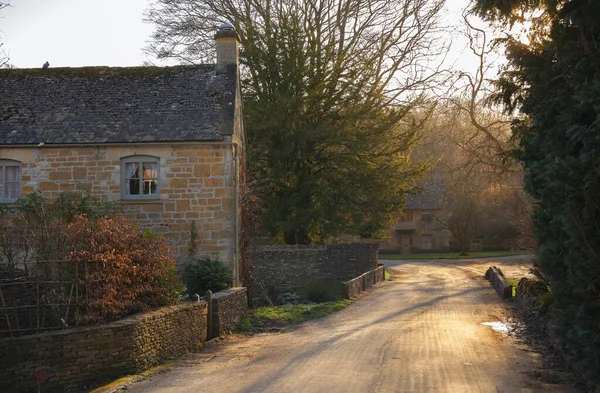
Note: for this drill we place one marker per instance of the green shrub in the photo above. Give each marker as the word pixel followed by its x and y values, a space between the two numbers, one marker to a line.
pixel 288 298
pixel 245 325
pixel 205 274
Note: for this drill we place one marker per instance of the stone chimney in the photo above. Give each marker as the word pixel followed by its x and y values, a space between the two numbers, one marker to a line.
pixel 227 46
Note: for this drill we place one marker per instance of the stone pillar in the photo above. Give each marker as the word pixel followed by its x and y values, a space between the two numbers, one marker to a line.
pixel 227 46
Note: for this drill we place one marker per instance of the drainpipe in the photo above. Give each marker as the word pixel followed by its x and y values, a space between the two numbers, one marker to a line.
pixel 236 209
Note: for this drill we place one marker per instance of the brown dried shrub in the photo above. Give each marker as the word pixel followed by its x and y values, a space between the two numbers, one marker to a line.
pixel 128 270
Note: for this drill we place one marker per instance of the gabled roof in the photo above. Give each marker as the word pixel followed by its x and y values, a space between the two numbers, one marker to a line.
pixel 116 105
pixel 431 196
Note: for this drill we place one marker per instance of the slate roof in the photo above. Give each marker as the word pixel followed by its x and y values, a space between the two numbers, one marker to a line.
pixel 431 196
pixel 116 105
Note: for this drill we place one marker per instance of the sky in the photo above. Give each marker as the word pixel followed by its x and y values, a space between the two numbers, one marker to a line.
pixel 76 33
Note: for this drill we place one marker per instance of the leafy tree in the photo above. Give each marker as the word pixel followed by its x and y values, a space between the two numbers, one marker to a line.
pixel 554 80
pixel 330 91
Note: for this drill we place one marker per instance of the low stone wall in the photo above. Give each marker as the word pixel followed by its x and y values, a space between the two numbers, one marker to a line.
pixel 168 333
pixel 363 282
pixel 75 359
pixel 534 311
pixel 280 268
pixel 228 308
pixel 496 278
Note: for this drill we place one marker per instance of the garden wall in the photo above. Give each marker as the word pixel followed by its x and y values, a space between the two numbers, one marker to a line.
pixel 228 308
pixel 280 268
pixel 354 287
pixel 78 358
pixel 74 359
pixel 495 276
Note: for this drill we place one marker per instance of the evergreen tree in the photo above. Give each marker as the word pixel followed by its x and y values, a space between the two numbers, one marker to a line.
pixel 554 81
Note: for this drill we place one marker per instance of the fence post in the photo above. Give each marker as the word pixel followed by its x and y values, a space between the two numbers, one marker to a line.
pixel 209 316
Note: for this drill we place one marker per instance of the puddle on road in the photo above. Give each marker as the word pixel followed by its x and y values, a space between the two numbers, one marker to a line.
pixel 501 327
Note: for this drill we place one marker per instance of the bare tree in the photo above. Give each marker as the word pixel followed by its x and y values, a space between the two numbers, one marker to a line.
pixel 4 55
pixel 486 139
pixel 479 200
pixel 396 43
pixel 331 88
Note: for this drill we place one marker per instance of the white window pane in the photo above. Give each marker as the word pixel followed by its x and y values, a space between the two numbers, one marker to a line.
pixel 133 170
pixel 140 178
pixel 132 187
pixel 12 173
pixel 150 170
pixel 150 187
pixel 12 190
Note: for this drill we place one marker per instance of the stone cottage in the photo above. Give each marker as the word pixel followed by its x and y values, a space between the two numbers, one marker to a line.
pixel 166 143
pixel 421 229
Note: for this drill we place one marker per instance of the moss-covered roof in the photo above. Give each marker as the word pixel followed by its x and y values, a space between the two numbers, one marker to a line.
pixel 431 196
pixel 115 105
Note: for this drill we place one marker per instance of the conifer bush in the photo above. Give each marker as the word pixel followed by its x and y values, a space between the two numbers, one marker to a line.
pixel 205 274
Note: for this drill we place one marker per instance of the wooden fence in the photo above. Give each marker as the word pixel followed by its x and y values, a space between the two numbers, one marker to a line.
pixel 40 296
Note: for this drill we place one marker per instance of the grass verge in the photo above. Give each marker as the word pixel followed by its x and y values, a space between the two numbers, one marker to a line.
pixel 514 283
pixel 272 317
pixel 490 254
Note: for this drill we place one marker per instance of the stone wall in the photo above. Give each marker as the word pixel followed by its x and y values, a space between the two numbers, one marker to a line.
pixel 77 358
pixel 228 308
pixel 495 276
pixel 280 268
pixel 196 183
pixel 168 333
pixel 356 286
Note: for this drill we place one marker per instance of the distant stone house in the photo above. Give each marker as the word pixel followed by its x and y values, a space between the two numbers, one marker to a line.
pixel 421 228
pixel 166 143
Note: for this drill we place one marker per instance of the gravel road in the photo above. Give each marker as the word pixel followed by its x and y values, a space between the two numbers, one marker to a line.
pixel 419 332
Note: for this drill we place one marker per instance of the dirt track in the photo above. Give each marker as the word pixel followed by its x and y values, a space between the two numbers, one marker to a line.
pixel 420 332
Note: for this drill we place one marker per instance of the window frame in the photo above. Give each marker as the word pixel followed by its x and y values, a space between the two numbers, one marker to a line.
pixel 427 217
pixel 429 242
pixel 10 163
pixel 140 160
pixel 408 216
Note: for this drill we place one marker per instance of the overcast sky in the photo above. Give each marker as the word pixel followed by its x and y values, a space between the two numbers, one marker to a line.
pixel 74 33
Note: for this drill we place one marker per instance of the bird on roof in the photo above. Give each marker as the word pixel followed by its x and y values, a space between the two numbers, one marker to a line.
pixel 46 65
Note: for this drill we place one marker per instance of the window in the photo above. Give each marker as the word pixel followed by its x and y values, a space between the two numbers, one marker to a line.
pixel 426 217
pixel 407 217
pixel 10 182
pixel 139 176
pixel 426 242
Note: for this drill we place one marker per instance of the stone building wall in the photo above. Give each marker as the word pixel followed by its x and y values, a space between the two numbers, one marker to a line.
pixel 281 268
pixel 75 359
pixel 197 184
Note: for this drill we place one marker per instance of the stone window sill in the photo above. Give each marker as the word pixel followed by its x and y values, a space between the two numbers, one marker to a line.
pixel 140 202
